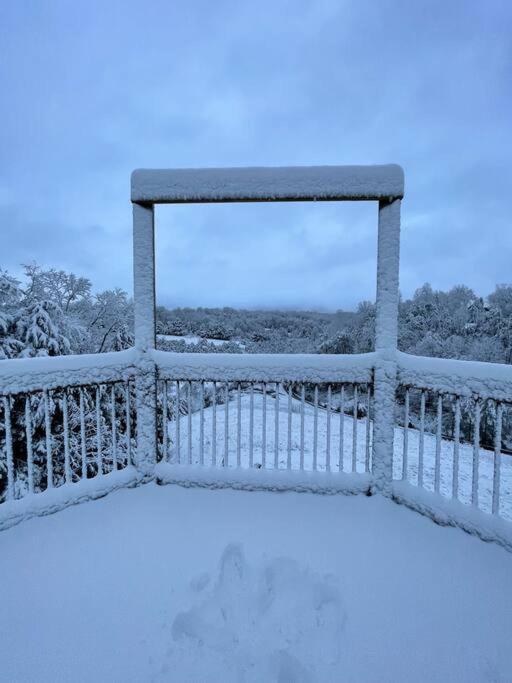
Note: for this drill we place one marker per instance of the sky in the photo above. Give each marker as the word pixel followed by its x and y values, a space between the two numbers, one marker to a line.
pixel 92 90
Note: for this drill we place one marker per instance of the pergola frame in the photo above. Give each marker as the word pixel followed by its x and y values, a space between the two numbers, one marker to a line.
pixel 384 184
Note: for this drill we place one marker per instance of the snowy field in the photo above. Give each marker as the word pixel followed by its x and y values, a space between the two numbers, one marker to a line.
pixel 188 585
pixel 194 339
pixel 486 464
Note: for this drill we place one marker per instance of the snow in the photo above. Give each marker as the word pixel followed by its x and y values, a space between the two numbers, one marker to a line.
pixel 297 183
pixel 172 584
pixel 460 377
pixel 194 339
pixel 32 374
pixel 261 367
pixel 58 498
pixel 451 512
pixel 263 479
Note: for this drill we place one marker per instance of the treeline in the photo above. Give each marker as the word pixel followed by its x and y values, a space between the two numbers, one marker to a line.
pixel 453 324
pixel 52 312
pixel 259 331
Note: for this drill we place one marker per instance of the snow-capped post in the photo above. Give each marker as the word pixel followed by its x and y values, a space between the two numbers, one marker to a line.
pixel 386 334
pixel 144 305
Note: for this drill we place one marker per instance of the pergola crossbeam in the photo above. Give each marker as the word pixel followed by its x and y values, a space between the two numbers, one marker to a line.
pixel 269 184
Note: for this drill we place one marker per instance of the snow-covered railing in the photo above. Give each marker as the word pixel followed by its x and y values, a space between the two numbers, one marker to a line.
pixel 449 444
pixel 64 422
pixel 69 429
pixel 461 377
pixel 246 419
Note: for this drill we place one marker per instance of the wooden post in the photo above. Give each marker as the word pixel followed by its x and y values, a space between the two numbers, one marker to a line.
pixel 144 305
pixel 386 327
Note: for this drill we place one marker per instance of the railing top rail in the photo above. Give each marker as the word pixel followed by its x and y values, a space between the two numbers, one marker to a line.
pixel 22 375
pixel 460 377
pixel 260 367
pixel 267 184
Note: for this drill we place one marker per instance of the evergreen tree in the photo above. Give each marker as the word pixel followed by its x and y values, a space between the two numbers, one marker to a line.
pixel 38 329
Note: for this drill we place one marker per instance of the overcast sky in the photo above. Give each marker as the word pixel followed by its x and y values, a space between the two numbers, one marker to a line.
pixel 91 90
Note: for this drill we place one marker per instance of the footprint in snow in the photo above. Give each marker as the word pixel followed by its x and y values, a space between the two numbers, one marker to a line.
pixel 276 622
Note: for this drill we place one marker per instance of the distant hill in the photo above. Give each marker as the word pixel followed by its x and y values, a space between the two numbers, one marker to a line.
pixel 265 331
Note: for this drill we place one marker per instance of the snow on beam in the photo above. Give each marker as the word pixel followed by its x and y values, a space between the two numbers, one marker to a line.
pixel 32 374
pixel 260 479
pixel 261 367
pixel 267 184
pixel 459 377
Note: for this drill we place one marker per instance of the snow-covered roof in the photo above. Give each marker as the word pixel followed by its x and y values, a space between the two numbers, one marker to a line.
pixel 294 183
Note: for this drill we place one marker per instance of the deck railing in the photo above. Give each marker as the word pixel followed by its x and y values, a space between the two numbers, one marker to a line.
pixel 296 417
pixel 69 429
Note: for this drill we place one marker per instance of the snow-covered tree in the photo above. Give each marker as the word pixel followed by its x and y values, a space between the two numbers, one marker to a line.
pixel 10 301
pixel 340 343
pixel 38 328
pixel 109 320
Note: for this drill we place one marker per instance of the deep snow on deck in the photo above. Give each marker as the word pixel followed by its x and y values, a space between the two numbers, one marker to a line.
pixel 172 584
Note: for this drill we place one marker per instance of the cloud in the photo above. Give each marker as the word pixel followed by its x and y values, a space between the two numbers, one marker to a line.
pixel 101 88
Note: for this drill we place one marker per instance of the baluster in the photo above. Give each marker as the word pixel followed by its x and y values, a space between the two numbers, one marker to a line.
pixel 342 429
pixel 476 454
pixel 226 425
pixel 328 448
pixel 456 442
pixel 113 426
pixel 99 458
pixel 48 440
pixel 189 421
pixel 421 445
pixel 289 444
pixel 405 455
pixel 165 422
pixel 315 429
pixel 128 424
pixel 276 427
pixel 368 428
pixel 238 426
pixel 178 422
pixel 264 427
pixel 65 427
pixel 302 418
pixel 251 426
pixel 497 460
pixel 439 428
pixel 83 442
pixel 214 424
pixel 30 452
pixel 201 423
pixel 354 428
pixel 8 447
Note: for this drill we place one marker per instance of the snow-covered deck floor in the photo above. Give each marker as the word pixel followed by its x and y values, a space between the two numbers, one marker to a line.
pixel 172 584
